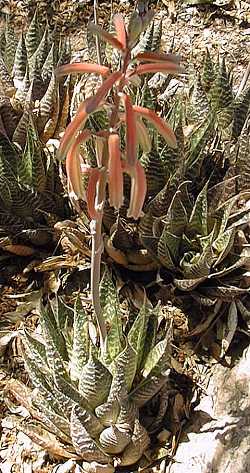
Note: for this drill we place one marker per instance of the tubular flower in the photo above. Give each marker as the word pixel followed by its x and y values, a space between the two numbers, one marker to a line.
pixel 169 67
pixel 158 57
pixel 71 131
pixel 94 176
pixel 115 172
pixel 80 67
pixel 94 101
pixel 88 106
pixel 161 125
pixel 138 189
pixel 73 166
pixel 121 33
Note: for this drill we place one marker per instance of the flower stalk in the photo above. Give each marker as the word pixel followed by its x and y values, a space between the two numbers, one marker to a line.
pixel 112 160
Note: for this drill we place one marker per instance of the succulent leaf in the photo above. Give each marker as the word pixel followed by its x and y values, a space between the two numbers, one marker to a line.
pixel 83 443
pixel 95 382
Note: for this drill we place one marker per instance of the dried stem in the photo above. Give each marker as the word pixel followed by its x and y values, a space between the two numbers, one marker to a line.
pixel 97 249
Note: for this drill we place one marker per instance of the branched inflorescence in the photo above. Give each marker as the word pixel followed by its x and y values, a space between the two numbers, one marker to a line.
pixel 112 160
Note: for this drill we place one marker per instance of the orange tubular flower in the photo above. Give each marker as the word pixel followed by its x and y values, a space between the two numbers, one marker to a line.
pixel 91 192
pixel 138 189
pixel 73 166
pixel 168 67
pixel 120 29
pixel 79 67
pixel 158 57
pixel 105 36
pixel 115 172
pixel 72 129
pixel 161 125
pixel 88 106
pixel 130 121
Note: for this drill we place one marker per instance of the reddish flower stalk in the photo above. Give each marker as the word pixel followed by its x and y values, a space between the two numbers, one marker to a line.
pixel 110 165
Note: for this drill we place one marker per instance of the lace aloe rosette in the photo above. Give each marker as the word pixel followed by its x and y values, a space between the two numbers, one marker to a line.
pixel 87 405
pixel 113 160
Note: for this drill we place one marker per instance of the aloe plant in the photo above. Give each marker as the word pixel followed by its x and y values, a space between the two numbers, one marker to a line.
pixel 91 400
pixel 195 204
pixel 112 159
pixel 34 109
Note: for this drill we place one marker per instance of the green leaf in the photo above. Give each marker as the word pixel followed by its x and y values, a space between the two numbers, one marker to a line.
pixel 55 423
pixel 83 443
pixel 154 171
pixel 89 420
pixel 199 215
pixel 221 90
pixel 95 382
pixel 137 334
pixel 198 265
pixel 171 243
pixel 223 244
pixel 111 313
pixel 80 349
pixel 147 389
pixel 32 38
pixel 207 75
pixel 20 61
pixel 55 345
pixel 176 219
pixel 36 350
pixel 158 358
pixel 124 369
